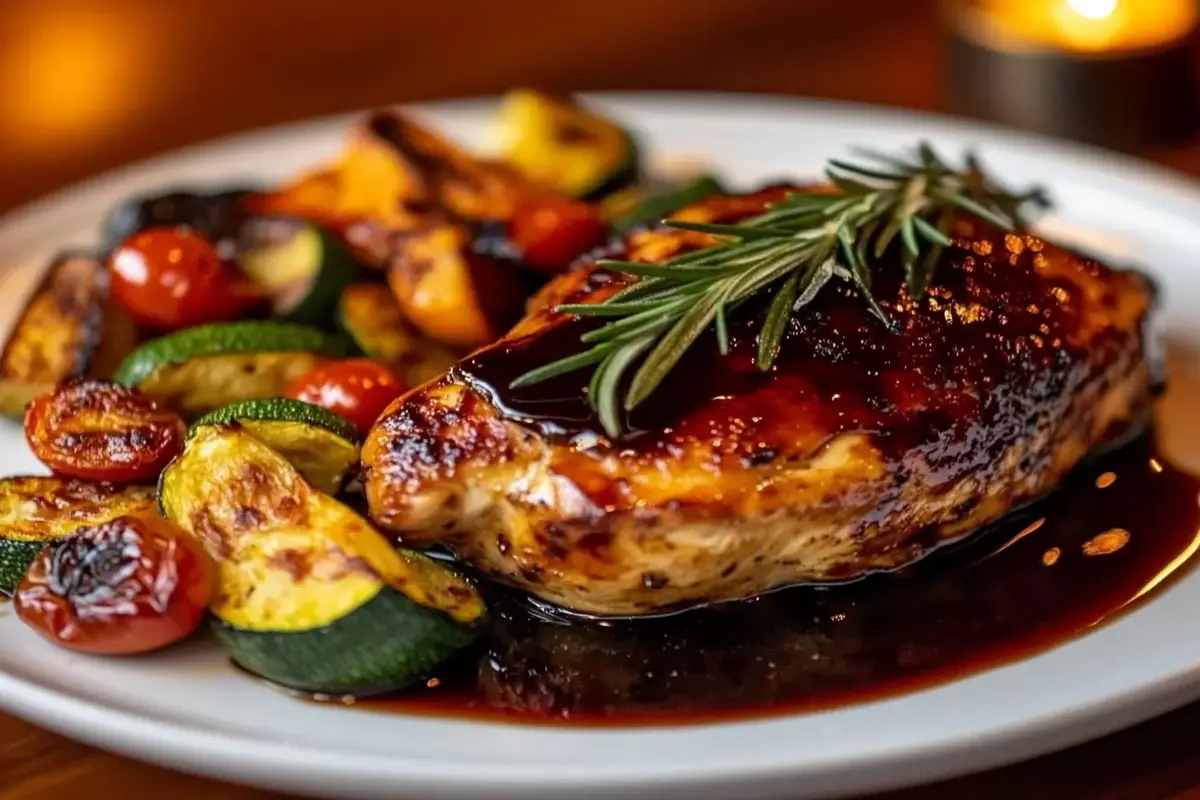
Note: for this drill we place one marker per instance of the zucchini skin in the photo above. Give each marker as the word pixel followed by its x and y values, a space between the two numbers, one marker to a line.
pixel 371 650
pixel 15 557
pixel 267 249
pixel 320 444
pixel 283 409
pixel 310 595
pixel 223 338
pixel 35 510
pixel 337 271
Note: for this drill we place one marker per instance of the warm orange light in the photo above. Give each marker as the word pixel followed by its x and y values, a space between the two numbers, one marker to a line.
pixel 1093 9
pixel 1085 25
pixel 71 74
pixel 1028 529
pixel 1170 569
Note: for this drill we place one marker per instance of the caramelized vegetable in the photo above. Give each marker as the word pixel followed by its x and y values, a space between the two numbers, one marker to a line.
pixel 172 278
pixel 452 293
pixel 311 596
pixel 300 267
pixel 370 314
pixel 322 446
pixel 215 215
pixel 103 431
pixel 549 234
pixel 357 389
pixel 69 328
pixel 562 144
pixel 406 199
pixel 201 369
pixel 130 585
pixel 396 176
pixel 38 509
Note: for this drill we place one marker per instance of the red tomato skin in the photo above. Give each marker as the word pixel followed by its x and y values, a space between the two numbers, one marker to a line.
pixel 170 278
pixel 357 389
pixel 131 585
pixel 102 431
pixel 552 233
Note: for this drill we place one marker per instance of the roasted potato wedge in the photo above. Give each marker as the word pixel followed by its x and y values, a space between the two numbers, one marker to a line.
pixel 451 293
pixel 396 176
pixel 371 315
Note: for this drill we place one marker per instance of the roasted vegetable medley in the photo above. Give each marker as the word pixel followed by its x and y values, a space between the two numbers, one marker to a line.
pixel 199 389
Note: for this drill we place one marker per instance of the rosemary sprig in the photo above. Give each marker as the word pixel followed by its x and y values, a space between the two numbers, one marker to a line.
pixel 790 252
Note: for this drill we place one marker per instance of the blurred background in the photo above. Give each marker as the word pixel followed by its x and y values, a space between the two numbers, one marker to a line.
pixel 90 85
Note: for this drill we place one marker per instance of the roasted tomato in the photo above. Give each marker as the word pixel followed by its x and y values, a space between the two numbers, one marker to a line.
pixel 172 278
pixel 103 431
pixel 550 233
pixel 128 586
pixel 358 389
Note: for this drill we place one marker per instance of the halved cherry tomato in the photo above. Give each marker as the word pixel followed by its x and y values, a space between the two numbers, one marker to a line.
pixel 172 278
pixel 103 431
pixel 358 389
pixel 550 233
pixel 128 586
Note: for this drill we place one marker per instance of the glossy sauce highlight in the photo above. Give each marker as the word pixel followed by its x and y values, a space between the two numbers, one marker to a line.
pixel 1042 577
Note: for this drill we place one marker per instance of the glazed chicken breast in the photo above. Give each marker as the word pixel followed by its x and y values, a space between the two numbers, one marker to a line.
pixel 861 449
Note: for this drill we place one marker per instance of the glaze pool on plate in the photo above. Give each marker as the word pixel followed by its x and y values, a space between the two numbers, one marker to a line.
pixel 1035 580
pixel 190 709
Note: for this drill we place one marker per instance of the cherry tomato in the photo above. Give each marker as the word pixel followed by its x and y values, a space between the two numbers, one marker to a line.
pixel 103 431
pixel 128 586
pixel 173 278
pixel 358 389
pixel 551 233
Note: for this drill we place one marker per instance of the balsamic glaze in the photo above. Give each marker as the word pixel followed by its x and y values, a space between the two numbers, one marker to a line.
pixel 984 357
pixel 1121 525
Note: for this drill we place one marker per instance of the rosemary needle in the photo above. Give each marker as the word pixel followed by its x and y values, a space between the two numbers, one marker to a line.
pixel 789 253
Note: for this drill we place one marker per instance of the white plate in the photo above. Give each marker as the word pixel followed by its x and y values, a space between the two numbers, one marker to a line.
pixel 188 709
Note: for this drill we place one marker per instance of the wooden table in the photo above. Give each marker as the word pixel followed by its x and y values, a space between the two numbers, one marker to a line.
pixel 87 86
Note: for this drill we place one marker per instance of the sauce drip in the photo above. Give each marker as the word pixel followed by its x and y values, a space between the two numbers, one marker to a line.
pixel 1039 578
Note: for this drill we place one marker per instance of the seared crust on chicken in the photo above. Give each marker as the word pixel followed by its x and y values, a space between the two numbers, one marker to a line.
pixel 860 450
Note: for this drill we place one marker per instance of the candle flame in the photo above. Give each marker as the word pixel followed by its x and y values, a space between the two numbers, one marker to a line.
pixel 1090 26
pixel 1093 9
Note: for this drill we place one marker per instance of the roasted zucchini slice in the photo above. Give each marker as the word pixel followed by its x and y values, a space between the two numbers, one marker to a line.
pixel 200 369
pixel 317 442
pixel 565 146
pixel 369 313
pixel 310 595
pixel 68 329
pixel 35 510
pixel 217 215
pixel 656 207
pixel 302 268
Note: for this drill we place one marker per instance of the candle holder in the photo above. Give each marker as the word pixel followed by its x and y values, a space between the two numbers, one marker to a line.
pixel 1123 89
